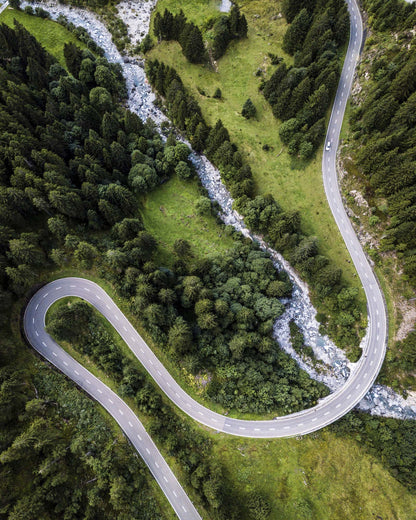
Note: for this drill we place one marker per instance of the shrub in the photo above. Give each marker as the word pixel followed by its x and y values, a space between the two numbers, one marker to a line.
pixel 217 94
pixel 203 206
pixel 183 171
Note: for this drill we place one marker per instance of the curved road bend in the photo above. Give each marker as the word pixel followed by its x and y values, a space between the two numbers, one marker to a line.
pixel 327 411
pixel 370 364
pixel 34 326
pixel 3 6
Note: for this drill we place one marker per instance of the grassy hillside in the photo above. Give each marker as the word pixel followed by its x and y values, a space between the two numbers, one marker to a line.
pixel 319 477
pixel 169 213
pixel 294 184
pixel 50 34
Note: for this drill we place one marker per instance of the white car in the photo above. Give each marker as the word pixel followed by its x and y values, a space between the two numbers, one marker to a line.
pixel 328 146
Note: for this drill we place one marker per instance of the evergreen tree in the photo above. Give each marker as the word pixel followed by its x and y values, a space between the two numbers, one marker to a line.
pixel 216 137
pixel 157 26
pixel 73 58
pixel 221 37
pixel 234 20
pixel 296 32
pixel 178 25
pixel 300 96
pixel 242 27
pixel 37 75
pixel 199 137
pixel 249 110
pixel 109 127
pixel 217 94
pixel 166 26
pixel 192 44
pixel 237 23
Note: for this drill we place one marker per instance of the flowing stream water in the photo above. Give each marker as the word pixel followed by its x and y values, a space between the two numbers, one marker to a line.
pixel 333 368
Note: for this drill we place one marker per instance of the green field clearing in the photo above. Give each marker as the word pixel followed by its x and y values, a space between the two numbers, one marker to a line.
pixel 294 184
pixel 50 34
pixel 316 477
pixel 169 214
pixel 198 11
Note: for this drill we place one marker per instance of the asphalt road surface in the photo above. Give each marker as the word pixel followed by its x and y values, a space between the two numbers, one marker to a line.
pixel 3 6
pixel 327 411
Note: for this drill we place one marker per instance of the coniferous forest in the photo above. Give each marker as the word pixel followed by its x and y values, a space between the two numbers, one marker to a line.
pixel 301 95
pixel 384 133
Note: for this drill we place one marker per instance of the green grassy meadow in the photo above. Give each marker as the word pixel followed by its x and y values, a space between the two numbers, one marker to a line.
pixel 50 34
pixel 294 184
pixel 317 477
pixel 198 11
pixel 169 214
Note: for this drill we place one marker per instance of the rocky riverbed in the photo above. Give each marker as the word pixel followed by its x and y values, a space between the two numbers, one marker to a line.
pixel 334 367
pixel 136 16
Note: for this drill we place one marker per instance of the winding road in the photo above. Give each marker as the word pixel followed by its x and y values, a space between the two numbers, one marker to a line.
pixel 327 411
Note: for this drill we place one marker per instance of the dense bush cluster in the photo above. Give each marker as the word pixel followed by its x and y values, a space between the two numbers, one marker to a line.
pixel 222 30
pixel 300 95
pixel 219 316
pixel 384 127
pixel 262 214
